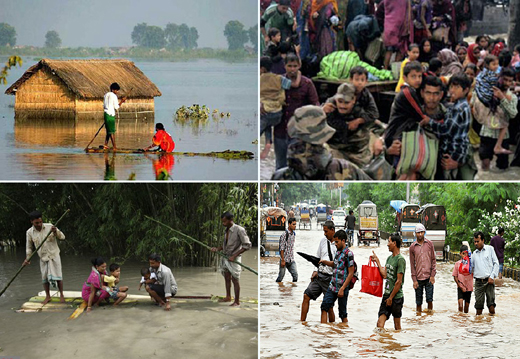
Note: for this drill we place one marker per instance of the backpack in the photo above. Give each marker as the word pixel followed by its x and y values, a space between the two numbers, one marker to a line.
pixel 355 277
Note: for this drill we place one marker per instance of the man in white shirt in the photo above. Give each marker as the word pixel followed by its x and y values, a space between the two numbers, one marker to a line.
pixel 321 277
pixel 485 265
pixel 110 105
pixel 49 253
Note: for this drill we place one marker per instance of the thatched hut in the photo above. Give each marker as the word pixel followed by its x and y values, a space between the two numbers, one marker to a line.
pixel 74 90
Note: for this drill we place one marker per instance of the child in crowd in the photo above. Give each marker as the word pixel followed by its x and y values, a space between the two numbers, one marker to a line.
pixel 464 278
pixel 272 99
pixel 273 48
pixel 486 83
pixel 342 275
pixel 364 99
pixel 147 277
pixel 434 67
pixel 413 55
pixel 116 293
pixel 404 116
pixel 516 55
pixel 453 132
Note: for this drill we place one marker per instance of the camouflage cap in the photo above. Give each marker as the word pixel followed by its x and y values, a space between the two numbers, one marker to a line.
pixel 309 124
pixel 346 91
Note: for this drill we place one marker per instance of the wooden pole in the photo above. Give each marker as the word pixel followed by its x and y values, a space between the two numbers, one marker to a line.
pixel 36 250
pixel 186 237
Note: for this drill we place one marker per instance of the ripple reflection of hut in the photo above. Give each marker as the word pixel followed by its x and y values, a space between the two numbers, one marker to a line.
pixel 74 90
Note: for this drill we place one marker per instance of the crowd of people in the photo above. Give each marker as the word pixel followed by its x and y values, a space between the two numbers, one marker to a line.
pixel 452 98
pixel 336 273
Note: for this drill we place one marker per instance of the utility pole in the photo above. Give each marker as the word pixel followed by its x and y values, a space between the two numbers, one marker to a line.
pixel 408 192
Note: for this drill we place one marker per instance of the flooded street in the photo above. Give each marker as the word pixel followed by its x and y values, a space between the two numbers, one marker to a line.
pixel 443 334
pixel 49 150
pixel 193 328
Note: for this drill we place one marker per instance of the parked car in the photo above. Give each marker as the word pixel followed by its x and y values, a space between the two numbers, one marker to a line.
pixel 339 217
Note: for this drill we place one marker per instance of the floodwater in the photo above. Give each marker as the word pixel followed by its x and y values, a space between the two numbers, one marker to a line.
pixel 49 150
pixel 191 329
pixel 443 334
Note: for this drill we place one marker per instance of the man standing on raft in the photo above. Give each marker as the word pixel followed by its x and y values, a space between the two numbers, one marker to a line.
pixel 110 105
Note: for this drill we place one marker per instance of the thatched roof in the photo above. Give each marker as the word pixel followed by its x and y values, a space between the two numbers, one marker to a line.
pixel 92 78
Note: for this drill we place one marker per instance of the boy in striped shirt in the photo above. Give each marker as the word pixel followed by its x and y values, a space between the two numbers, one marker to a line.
pixel 341 276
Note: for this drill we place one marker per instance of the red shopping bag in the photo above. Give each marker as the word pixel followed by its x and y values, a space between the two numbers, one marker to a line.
pixel 371 279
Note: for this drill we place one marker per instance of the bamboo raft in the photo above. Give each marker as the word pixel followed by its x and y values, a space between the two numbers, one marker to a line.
pixel 228 154
pixel 74 301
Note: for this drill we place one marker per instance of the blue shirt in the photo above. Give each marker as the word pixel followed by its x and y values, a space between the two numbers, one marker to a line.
pixel 484 263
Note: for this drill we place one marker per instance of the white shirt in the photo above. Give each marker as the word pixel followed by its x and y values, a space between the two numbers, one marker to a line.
pixel 323 253
pixel 485 263
pixel 152 276
pixel 110 103
pixel 50 249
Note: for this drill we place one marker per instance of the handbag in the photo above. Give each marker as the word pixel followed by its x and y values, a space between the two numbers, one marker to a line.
pixel 374 50
pixel 371 279
pixel 379 169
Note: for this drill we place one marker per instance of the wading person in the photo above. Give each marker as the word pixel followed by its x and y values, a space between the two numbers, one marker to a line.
pixel 110 105
pixel 499 244
pixel 342 274
pixel 423 267
pixel 351 225
pixel 393 272
pixel 235 243
pixel 485 269
pixel 464 279
pixel 162 140
pixel 321 277
pixel 165 287
pixel 287 240
pixel 49 253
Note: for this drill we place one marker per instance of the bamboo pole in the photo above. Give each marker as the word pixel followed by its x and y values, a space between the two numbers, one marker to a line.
pixel 200 243
pixel 33 253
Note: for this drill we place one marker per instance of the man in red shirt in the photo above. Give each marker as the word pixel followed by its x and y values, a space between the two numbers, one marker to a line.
pixel 162 139
pixel 423 267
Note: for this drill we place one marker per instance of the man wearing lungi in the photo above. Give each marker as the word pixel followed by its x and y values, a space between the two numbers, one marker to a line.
pixel 49 253
pixel 235 243
pixel 110 105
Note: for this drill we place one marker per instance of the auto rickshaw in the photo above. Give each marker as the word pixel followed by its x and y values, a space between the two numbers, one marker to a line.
pixel 273 224
pixel 433 217
pixel 321 213
pixel 368 223
pixel 408 220
pixel 305 217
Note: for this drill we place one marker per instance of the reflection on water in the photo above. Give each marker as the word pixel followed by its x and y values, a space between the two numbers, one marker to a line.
pixel 50 149
pixel 196 329
pixel 444 333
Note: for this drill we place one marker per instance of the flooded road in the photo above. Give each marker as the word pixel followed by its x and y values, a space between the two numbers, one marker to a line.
pixel 48 150
pixel 443 334
pixel 192 328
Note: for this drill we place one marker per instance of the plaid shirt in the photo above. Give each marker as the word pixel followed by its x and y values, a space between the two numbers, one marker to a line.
pixel 453 133
pixel 342 262
pixel 287 246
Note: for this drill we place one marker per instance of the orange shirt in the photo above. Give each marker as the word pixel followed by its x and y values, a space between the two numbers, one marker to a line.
pixel 164 140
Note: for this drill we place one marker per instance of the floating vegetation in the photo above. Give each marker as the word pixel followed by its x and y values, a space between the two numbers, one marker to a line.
pixel 198 115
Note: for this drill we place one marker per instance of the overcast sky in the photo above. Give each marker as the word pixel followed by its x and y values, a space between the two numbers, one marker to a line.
pixel 99 23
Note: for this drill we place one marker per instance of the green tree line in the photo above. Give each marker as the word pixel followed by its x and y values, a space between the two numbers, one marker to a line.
pixel 468 205
pixel 109 219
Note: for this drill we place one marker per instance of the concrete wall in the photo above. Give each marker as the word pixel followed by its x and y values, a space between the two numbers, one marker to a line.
pixel 508 272
pixel 496 21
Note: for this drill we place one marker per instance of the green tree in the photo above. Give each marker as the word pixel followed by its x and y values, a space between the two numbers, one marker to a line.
pixel 253 36
pixel 236 35
pixel 193 38
pixel 11 62
pixel 52 39
pixel 291 193
pixel 7 35
pixel 172 36
pixel 148 36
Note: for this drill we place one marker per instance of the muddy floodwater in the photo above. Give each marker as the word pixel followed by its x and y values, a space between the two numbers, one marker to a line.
pixel 444 334
pixel 51 150
pixel 195 329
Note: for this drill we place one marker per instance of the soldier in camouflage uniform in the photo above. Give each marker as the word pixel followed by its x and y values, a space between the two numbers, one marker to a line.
pixel 307 158
pixel 349 142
